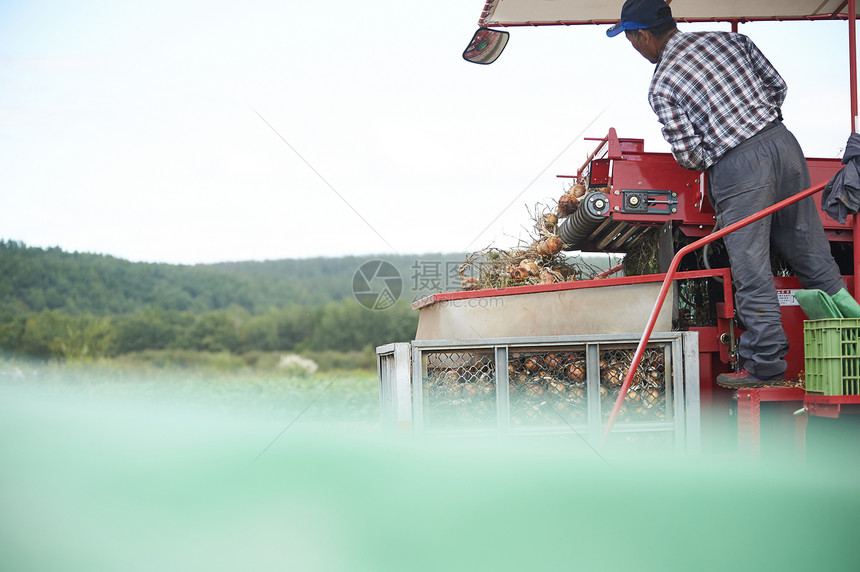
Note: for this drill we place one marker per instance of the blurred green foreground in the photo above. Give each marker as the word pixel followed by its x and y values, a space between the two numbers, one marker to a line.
pixel 112 471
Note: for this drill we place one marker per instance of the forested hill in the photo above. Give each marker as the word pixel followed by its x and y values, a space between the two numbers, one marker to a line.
pixel 33 279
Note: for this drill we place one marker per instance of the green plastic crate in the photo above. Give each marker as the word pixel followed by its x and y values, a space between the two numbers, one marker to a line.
pixel 832 356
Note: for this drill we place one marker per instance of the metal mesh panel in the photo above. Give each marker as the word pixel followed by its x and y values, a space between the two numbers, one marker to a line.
pixel 550 390
pixel 547 387
pixel 460 389
pixel 646 399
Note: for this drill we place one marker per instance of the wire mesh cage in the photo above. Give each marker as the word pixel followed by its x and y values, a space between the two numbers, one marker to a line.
pixel 557 386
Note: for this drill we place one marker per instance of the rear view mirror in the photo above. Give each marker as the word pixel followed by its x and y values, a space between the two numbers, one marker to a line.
pixel 486 46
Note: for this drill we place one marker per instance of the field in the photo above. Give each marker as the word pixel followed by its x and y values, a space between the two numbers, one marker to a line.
pixel 105 467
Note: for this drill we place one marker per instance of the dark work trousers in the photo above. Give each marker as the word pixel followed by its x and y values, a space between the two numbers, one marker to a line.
pixel 759 172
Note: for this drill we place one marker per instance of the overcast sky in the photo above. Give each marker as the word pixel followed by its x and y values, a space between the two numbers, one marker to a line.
pixel 188 131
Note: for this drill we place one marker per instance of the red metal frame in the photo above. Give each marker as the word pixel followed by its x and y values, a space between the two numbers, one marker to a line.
pixel 579 284
pixel 749 422
pixel 594 154
pixel 749 417
pixel 831 405
pixel 632 168
pixel 822 18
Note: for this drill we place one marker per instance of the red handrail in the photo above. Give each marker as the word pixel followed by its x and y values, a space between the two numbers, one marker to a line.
pixel 852 61
pixel 670 274
pixel 588 160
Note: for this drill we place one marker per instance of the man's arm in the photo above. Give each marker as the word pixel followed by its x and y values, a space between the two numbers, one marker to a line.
pixel 678 131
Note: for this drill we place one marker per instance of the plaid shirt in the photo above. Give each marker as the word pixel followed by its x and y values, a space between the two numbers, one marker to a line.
pixel 711 91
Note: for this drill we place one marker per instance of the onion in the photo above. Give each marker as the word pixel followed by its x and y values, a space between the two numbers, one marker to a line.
pixel 550 219
pixel 566 205
pixel 650 398
pixel 614 376
pixel 530 266
pixel 546 277
pixel 554 244
pixel 577 191
pixel 533 389
pixel 519 274
pixel 542 248
pixel 575 372
pixel 469 283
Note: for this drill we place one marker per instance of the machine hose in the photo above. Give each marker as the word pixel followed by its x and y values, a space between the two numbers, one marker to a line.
pixel 706 254
pixel 576 229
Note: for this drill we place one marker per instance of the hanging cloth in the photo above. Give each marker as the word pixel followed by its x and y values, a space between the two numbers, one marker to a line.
pixel 841 196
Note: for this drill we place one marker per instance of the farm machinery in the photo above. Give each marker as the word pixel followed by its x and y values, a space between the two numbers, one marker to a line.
pixel 630 359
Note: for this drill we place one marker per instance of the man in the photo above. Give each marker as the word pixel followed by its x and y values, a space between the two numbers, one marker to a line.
pixel 718 99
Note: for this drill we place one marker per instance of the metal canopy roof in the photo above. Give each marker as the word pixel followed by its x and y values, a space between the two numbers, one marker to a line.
pixel 570 12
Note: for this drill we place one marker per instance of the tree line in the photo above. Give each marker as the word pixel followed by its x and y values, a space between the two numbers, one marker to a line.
pixel 34 279
pixel 340 326
pixel 62 304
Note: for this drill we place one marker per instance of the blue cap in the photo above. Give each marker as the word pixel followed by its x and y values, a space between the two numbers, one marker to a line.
pixel 641 14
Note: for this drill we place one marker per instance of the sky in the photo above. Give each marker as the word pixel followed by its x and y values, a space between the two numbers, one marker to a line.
pixel 196 132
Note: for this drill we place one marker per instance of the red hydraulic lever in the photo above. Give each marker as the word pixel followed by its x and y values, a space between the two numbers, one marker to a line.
pixel 611 271
pixel 670 276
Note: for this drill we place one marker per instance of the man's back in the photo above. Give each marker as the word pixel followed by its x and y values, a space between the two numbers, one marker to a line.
pixel 711 91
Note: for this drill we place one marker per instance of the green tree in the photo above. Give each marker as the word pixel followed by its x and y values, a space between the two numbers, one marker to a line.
pixel 214 332
pixel 154 328
pixel 11 332
pixel 261 333
pixel 346 325
pixel 86 337
pixel 295 325
pixel 40 331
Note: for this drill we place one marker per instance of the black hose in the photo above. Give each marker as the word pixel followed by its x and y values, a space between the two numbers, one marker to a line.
pixel 706 252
